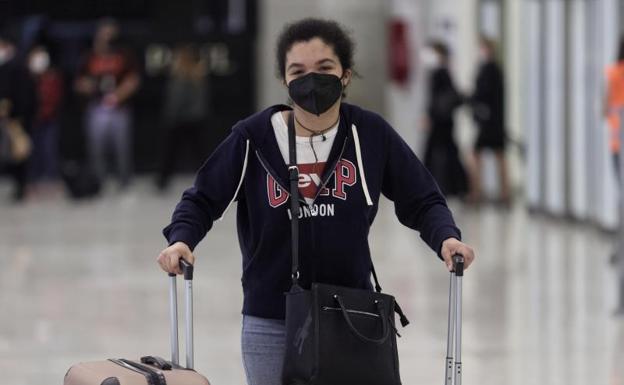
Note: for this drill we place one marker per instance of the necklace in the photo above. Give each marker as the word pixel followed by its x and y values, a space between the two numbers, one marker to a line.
pixel 315 133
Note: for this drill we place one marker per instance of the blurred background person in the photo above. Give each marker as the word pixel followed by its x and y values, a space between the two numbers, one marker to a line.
pixel 614 103
pixel 109 77
pixel 17 98
pixel 613 111
pixel 488 104
pixel 619 310
pixel 44 164
pixel 442 154
pixel 15 148
pixel 185 111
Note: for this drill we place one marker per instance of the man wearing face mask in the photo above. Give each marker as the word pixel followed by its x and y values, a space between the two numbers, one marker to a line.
pixel 44 170
pixel 18 97
pixel 346 157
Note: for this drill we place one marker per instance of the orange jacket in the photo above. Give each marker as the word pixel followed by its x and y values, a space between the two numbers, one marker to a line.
pixel 615 103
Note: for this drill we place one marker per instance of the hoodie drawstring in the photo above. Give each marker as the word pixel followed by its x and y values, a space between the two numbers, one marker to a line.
pixel 240 182
pixel 358 155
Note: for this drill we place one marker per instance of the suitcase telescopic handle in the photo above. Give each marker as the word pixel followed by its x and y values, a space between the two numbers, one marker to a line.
pixel 454 335
pixel 187 271
pixel 458 265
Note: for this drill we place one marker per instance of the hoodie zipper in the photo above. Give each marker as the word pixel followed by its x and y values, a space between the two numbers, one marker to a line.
pixel 322 186
pixel 259 156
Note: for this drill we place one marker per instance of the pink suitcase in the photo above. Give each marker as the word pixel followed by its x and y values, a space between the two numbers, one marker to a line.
pixel 148 370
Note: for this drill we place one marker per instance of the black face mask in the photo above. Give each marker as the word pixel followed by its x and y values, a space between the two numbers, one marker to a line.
pixel 315 92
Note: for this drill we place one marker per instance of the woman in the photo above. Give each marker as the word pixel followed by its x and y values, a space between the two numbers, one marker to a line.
pixel 442 154
pixel 614 104
pixel 347 158
pixel 488 104
pixel 613 112
pixel 185 110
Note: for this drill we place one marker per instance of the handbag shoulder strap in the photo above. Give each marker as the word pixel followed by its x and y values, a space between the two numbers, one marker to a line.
pixel 293 176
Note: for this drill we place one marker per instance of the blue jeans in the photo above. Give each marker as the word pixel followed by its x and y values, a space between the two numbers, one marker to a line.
pixel 263 345
pixel 108 129
pixel 45 156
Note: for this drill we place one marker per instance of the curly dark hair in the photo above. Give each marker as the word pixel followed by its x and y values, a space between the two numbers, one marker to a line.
pixel 332 34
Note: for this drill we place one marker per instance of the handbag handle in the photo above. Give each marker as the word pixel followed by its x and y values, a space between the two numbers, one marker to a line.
pixel 384 322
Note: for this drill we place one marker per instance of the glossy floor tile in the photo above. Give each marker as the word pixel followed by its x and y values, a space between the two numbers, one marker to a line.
pixel 79 282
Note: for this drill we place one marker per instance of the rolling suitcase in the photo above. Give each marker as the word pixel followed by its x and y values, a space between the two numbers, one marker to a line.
pixel 453 345
pixel 148 370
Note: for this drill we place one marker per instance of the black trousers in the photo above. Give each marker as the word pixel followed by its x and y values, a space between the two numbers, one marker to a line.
pixel 18 172
pixel 180 141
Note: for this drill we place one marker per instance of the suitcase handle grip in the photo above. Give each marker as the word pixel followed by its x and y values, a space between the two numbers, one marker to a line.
pixel 187 270
pixel 157 362
pixel 458 265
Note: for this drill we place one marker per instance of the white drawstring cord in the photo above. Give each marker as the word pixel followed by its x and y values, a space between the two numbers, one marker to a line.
pixel 358 155
pixel 240 182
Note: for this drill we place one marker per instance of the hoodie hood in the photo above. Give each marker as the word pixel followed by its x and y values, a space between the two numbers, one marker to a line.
pixel 259 131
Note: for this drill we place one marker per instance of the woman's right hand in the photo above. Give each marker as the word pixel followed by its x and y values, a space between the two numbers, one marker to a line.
pixel 169 258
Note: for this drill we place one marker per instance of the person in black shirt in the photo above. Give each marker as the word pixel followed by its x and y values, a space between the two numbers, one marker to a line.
pixel 17 94
pixel 488 103
pixel 442 154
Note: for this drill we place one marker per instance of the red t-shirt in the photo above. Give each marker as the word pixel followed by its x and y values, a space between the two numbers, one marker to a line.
pixel 109 69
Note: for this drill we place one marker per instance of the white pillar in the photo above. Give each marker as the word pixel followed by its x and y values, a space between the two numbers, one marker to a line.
pixel 516 127
pixel 603 40
pixel 532 97
pixel 553 123
pixel 577 156
pixel 405 104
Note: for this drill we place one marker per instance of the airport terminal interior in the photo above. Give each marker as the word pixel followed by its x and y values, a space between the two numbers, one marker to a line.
pixel 543 303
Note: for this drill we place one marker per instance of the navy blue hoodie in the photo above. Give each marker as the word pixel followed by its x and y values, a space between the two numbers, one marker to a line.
pixel 368 158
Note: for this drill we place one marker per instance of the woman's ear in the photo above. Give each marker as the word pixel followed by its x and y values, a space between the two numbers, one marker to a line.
pixel 346 78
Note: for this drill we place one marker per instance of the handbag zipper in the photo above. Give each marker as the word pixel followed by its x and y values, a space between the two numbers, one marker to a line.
pixel 328 308
pixel 365 313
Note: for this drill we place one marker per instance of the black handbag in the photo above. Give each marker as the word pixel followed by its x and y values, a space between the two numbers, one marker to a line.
pixel 336 335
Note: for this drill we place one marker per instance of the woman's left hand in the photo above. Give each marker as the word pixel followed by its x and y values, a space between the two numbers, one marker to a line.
pixel 451 247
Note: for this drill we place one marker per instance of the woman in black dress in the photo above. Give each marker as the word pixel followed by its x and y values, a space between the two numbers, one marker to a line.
pixel 442 154
pixel 488 104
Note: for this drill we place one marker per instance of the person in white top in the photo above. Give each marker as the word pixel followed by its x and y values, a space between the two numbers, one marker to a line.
pixel 312 153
